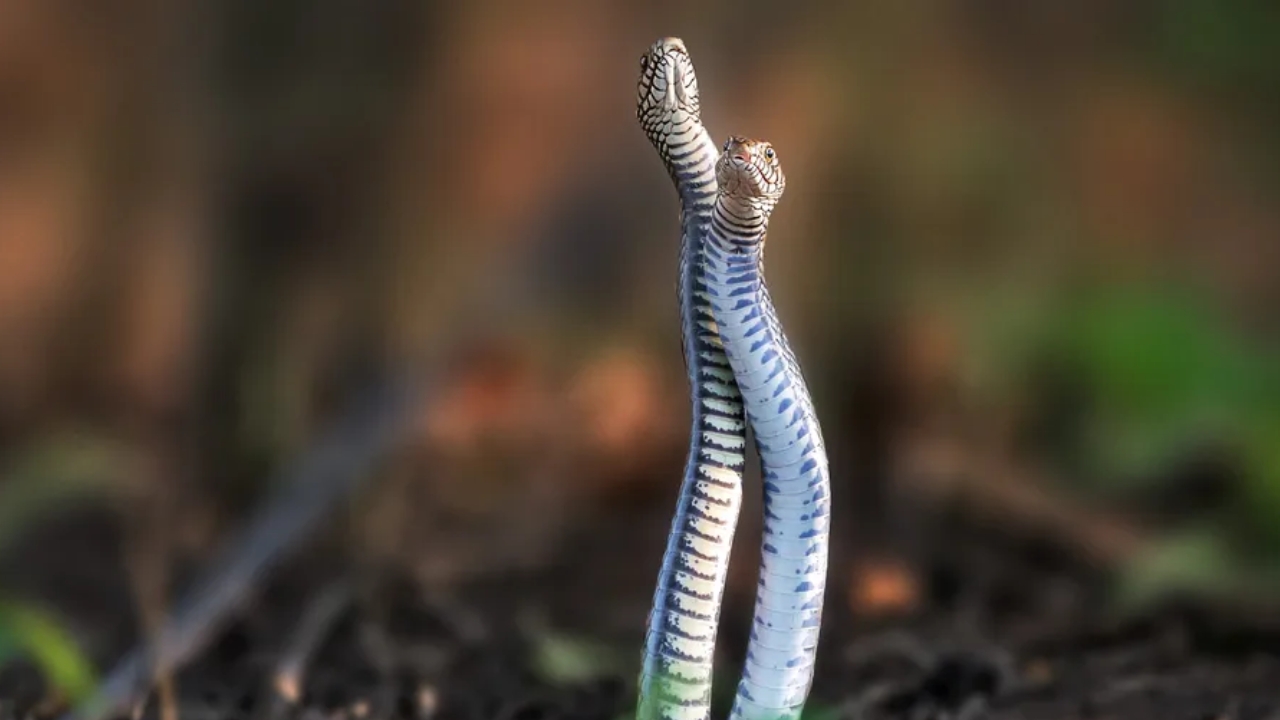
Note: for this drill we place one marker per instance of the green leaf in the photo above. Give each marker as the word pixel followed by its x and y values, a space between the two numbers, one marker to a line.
pixel 25 629
pixel 1196 562
pixel 564 659
pixel 1262 457
pixel 820 712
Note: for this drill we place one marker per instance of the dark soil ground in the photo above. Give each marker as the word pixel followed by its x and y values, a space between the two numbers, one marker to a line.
pixel 1003 631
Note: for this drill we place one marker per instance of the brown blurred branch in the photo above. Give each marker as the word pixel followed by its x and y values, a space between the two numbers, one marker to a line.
pixel 991 490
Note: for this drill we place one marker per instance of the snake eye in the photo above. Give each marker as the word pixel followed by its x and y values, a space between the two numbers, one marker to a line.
pixel 768 152
pixel 644 61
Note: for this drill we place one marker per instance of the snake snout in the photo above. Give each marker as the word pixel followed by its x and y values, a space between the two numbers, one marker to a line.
pixel 671 96
pixel 672 44
pixel 676 79
pixel 738 149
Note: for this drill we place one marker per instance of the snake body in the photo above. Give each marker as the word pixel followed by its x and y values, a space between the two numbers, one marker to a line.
pixel 675 679
pixel 735 351
pixel 780 657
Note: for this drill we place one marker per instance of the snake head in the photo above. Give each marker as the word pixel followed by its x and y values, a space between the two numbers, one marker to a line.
pixel 668 89
pixel 748 171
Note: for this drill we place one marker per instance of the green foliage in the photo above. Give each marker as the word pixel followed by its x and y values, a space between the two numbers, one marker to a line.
pixel 1195 562
pixel 1166 373
pixel 27 630
pixel 1231 42
pixel 820 712
pixel 564 659
pixel 1192 562
pixel 1159 373
pixel 64 469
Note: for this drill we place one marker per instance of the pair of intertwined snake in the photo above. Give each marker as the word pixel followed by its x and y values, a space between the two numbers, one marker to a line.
pixel 741 369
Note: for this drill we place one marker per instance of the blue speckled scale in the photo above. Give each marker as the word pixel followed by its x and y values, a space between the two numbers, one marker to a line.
pixel 780 656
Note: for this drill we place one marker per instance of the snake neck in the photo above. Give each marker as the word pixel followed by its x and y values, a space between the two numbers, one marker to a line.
pixel 689 154
pixel 738 227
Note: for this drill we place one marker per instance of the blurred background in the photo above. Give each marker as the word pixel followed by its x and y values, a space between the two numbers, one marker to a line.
pixel 1029 256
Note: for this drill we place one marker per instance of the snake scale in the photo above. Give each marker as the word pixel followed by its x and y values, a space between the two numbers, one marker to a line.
pixel 740 366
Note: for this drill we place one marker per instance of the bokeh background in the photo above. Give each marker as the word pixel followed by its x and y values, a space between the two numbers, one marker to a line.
pixel 1029 256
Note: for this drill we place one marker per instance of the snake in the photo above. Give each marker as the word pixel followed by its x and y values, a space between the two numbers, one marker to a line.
pixel 778 670
pixel 676 673
pixel 741 369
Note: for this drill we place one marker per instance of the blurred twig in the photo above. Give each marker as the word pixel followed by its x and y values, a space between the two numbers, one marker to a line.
pixel 148 557
pixel 329 471
pixel 332 469
pixel 943 471
pixel 307 640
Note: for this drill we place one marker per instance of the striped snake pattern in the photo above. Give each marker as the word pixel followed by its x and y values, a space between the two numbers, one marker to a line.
pixel 675 679
pixel 793 458
pixel 736 353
